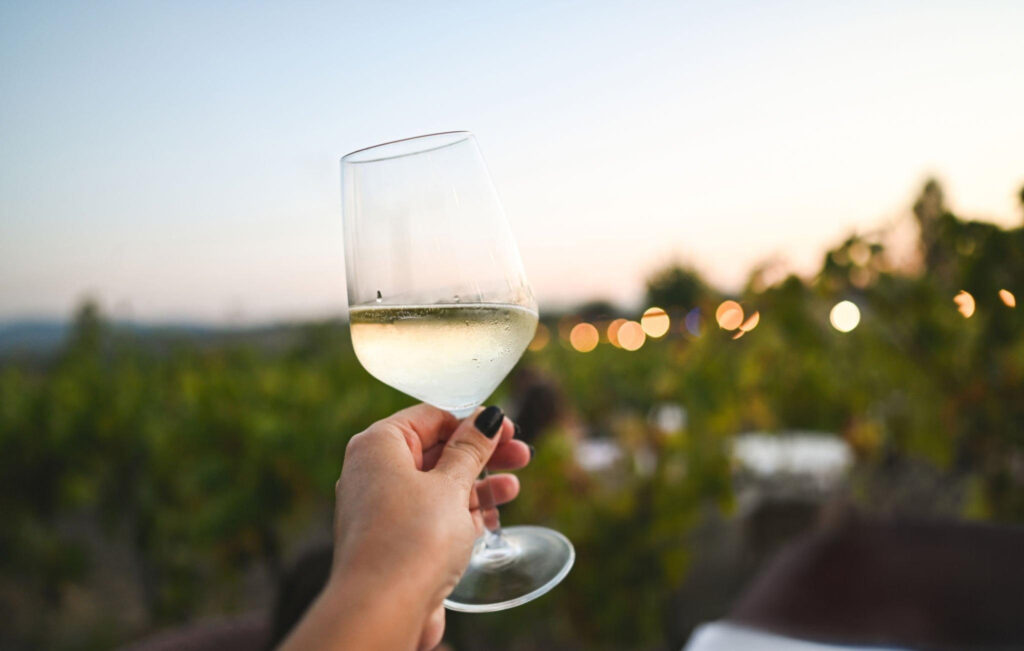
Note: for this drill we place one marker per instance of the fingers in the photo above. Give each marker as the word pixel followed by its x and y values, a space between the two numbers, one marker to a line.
pixel 484 520
pixel 431 423
pixel 509 455
pixel 505 488
pixel 422 427
pixel 489 518
pixel 426 429
pixel 470 447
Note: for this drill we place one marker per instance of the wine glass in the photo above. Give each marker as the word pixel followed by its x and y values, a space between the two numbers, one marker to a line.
pixel 440 309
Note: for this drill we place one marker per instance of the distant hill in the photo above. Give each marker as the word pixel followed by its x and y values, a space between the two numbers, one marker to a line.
pixel 36 336
pixel 41 337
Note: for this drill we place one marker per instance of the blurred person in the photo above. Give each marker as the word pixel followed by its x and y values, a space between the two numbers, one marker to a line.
pixel 539 402
pixel 406 517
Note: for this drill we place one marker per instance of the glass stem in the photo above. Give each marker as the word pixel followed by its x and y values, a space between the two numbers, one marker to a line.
pixel 493 538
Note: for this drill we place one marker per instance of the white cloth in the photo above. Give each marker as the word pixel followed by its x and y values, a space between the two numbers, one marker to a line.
pixel 722 636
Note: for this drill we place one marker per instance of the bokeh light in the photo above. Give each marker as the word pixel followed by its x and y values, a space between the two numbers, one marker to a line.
pixel 540 338
pixel 729 315
pixel 860 253
pixel 584 337
pixel 694 322
pixel 751 322
pixel 965 303
pixel 631 335
pixel 1007 298
pixel 844 316
pixel 613 331
pixel 655 322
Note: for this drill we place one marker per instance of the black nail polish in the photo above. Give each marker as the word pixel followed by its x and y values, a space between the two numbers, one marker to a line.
pixel 489 421
pixel 533 451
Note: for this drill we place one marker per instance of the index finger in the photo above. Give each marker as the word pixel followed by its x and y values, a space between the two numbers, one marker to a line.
pixel 510 454
pixel 422 426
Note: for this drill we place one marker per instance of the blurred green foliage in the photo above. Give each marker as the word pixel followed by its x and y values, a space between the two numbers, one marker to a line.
pixel 202 459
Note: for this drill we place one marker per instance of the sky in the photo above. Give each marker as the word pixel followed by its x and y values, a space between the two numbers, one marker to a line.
pixel 179 161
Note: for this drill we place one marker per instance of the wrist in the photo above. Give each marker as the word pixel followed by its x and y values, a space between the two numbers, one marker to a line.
pixel 388 566
pixel 369 607
pixel 360 609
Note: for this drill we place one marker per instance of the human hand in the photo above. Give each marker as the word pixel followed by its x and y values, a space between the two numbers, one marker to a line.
pixel 407 516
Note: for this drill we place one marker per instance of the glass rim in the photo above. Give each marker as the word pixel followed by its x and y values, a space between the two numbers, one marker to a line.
pixel 402 146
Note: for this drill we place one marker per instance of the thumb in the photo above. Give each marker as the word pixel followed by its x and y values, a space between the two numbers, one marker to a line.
pixel 471 445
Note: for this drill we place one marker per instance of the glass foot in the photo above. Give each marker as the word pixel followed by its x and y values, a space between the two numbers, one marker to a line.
pixel 531 561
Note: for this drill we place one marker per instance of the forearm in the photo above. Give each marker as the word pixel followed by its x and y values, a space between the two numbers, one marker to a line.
pixel 355 613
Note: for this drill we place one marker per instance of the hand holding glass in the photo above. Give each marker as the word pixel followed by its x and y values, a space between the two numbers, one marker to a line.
pixel 440 309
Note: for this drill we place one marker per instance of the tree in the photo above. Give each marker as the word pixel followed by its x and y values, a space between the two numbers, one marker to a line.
pixel 678 286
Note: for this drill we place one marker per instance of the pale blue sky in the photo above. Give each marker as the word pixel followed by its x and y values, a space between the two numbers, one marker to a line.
pixel 180 160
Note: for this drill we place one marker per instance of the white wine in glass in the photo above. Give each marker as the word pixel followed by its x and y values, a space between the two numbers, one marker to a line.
pixel 451 356
pixel 440 309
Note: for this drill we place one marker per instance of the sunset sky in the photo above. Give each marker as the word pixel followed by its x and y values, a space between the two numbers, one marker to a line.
pixel 180 160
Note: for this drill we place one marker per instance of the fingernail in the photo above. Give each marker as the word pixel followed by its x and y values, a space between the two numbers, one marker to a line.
pixel 533 450
pixel 518 431
pixel 489 421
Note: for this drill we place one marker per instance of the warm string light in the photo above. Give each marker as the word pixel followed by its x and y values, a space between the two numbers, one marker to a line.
pixel 631 336
pixel 965 303
pixel 584 337
pixel 613 331
pixel 1007 297
pixel 729 315
pixel 845 316
pixel 748 325
pixel 655 322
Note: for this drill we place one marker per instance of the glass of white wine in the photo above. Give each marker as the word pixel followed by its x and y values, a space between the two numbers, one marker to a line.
pixel 440 309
